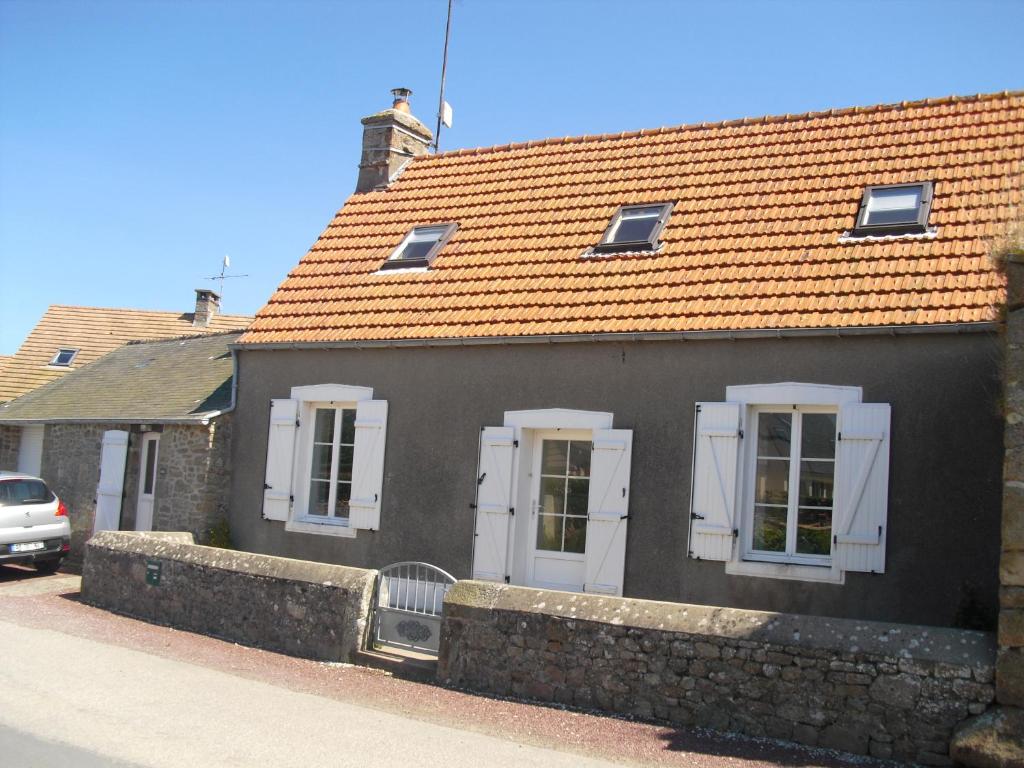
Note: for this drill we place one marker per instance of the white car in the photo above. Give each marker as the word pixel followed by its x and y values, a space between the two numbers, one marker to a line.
pixel 34 525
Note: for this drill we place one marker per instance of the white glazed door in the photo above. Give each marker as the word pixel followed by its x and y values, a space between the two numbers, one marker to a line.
pixel 560 483
pixel 147 481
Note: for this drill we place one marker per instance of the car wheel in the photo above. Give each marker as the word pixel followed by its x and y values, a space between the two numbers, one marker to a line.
pixel 47 566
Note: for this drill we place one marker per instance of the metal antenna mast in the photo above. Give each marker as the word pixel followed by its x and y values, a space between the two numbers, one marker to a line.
pixel 222 276
pixel 444 68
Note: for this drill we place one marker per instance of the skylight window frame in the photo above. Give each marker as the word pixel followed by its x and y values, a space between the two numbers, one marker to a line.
pixel 394 262
pixel 918 226
pixel 62 350
pixel 652 243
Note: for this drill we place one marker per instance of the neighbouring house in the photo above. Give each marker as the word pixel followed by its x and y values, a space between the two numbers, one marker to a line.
pixel 67 338
pixel 753 363
pixel 139 439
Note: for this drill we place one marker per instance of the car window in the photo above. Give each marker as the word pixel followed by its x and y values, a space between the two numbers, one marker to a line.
pixel 15 493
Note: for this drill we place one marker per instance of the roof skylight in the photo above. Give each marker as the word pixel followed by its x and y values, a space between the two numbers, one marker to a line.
pixel 420 246
pixel 635 228
pixel 894 209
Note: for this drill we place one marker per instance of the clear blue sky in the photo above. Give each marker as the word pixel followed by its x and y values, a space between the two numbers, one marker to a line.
pixel 142 141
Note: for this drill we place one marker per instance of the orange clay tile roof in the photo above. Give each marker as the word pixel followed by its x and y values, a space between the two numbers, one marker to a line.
pixel 754 240
pixel 94 331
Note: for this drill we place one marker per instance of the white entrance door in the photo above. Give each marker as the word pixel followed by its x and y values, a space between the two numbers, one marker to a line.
pixel 113 452
pixel 30 450
pixel 147 481
pixel 560 484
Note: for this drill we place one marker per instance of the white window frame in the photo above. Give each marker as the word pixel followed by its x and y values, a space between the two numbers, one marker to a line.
pixel 419 234
pixel 766 398
pixel 310 398
pixel 74 353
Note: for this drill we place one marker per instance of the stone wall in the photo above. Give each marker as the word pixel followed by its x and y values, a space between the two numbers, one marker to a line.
pixel 10 442
pixel 307 609
pixel 889 690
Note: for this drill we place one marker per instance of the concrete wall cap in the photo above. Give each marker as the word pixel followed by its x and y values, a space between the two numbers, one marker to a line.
pixel 922 643
pixel 403 119
pixel 170 548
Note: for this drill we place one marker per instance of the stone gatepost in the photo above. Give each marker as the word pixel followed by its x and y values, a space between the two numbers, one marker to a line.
pixel 995 739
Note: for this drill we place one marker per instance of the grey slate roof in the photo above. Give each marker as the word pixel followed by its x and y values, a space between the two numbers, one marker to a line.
pixel 177 380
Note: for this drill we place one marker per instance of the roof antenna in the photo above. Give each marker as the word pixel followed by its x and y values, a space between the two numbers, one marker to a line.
pixel 222 276
pixel 444 109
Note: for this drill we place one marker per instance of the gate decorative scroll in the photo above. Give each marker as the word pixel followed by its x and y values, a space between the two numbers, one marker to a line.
pixel 407 611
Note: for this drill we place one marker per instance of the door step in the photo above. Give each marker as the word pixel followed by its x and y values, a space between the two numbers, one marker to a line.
pixel 408 665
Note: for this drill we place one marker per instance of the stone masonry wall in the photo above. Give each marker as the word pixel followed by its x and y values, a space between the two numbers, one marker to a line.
pixel 889 690
pixel 307 609
pixel 1010 666
pixel 10 442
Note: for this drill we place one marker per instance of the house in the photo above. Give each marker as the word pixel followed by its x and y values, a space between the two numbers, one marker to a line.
pixel 68 338
pixel 752 363
pixel 139 439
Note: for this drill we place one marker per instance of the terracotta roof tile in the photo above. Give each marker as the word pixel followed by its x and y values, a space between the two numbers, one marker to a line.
pixel 93 331
pixel 753 241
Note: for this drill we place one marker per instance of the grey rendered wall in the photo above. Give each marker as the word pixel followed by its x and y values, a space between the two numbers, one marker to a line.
pixel 944 511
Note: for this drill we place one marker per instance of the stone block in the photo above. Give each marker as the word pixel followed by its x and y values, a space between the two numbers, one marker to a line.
pixel 1010 677
pixel 1011 568
pixel 845 739
pixel 1011 627
pixel 994 739
pixel 900 691
pixel 1011 597
pixel 1013 506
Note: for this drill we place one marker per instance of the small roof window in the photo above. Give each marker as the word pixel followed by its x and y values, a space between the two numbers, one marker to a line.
pixel 64 357
pixel 894 209
pixel 635 228
pixel 420 246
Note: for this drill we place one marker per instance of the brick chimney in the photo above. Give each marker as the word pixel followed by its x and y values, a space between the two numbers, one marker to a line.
pixel 207 305
pixel 390 139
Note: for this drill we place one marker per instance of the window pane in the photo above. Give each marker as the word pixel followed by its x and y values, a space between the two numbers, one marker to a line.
pixel 321 469
pixel 552 495
pixel 345 463
pixel 769 529
pixel 774 434
pixel 415 249
pixel 577 496
pixel 634 230
pixel 348 426
pixel 549 532
pixel 814 532
pixel 150 466
pixel 579 458
pixel 818 439
pixel 341 501
pixel 816 481
pixel 323 429
pixel 554 457
pixel 771 484
pixel 319 493
pixel 893 206
pixel 576 534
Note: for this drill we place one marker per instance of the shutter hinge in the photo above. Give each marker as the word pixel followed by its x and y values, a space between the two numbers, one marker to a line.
pixel 835 539
pixel 296 422
pixel 741 434
pixel 695 516
pixel 735 532
pixel 480 480
pixel 698 411
pixel 267 487
pixel 515 443
pixel 624 517
pixel 291 498
pixel 472 506
pixel 839 437
pixel 508 579
pixel 512 511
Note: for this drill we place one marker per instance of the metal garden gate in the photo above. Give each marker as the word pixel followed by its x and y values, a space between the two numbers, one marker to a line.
pixel 407 611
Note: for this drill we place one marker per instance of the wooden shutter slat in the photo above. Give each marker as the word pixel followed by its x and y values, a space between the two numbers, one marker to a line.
pixel 277 484
pixel 715 468
pixel 368 464
pixel 607 510
pixel 493 504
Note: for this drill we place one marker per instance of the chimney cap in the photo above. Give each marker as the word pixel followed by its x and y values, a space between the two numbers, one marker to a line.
pixel 207 292
pixel 401 99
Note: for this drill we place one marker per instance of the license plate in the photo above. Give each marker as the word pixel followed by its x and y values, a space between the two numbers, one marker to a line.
pixel 32 546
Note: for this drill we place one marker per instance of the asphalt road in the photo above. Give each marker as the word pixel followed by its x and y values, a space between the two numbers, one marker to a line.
pixel 84 688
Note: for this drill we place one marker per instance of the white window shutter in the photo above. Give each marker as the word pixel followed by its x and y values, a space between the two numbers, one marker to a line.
pixel 862 487
pixel 493 503
pixel 368 464
pixel 607 511
pixel 713 520
pixel 277 484
pixel 113 452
